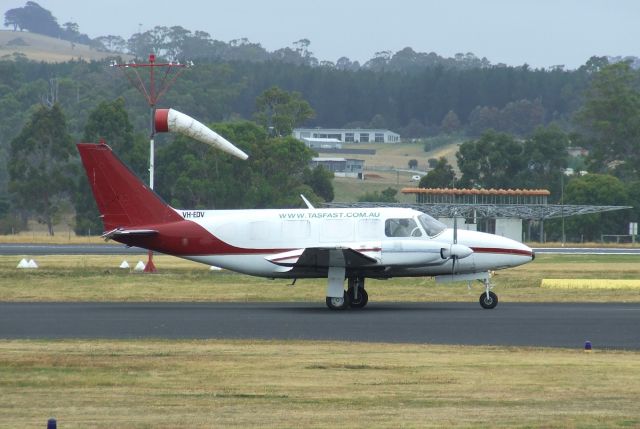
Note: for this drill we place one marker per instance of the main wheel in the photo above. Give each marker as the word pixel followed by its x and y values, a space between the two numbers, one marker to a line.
pixel 361 301
pixel 488 302
pixel 339 303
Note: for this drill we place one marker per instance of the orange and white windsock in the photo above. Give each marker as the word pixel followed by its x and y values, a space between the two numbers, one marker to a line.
pixel 174 121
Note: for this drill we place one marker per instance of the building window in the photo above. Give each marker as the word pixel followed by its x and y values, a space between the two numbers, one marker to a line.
pixel 305 134
pixel 335 136
pixel 348 137
pixel 379 138
pixel 364 137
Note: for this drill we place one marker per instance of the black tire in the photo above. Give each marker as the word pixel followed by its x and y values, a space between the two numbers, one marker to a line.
pixel 361 301
pixel 490 302
pixel 339 303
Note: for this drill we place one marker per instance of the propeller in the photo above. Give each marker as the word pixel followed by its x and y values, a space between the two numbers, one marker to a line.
pixel 455 251
pixel 454 257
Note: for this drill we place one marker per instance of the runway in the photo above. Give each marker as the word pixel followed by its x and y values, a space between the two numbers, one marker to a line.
pixel 607 326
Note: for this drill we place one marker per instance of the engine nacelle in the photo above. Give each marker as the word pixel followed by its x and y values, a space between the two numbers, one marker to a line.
pixel 459 251
pixel 411 253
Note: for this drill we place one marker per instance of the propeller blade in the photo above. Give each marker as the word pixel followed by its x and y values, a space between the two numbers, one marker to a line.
pixel 455 228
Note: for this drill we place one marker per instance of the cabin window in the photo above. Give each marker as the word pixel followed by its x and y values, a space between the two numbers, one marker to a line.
pixel 402 227
pixel 296 229
pixel 431 226
pixel 336 230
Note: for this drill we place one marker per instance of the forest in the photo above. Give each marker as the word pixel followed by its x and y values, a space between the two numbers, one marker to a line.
pixel 516 122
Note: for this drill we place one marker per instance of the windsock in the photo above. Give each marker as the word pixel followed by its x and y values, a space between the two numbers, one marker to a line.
pixel 174 121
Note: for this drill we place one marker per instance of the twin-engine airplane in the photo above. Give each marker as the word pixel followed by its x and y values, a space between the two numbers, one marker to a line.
pixel 337 244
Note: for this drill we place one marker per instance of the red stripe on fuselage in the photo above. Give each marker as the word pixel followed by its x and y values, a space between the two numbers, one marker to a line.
pixel 186 237
pixel 502 251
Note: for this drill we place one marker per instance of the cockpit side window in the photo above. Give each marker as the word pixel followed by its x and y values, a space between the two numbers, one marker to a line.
pixel 431 226
pixel 402 227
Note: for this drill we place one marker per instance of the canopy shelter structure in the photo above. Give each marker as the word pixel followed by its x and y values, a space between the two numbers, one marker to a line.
pixel 522 204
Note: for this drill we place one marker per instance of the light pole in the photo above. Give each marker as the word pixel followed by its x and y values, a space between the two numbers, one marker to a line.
pixel 152 94
pixel 562 203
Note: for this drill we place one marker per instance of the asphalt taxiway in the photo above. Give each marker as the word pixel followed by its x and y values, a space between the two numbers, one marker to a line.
pixel 607 326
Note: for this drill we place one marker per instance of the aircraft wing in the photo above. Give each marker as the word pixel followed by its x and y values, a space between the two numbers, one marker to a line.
pixel 323 257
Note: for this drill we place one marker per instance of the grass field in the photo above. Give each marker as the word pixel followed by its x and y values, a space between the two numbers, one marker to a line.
pixel 216 383
pixel 162 384
pixel 98 278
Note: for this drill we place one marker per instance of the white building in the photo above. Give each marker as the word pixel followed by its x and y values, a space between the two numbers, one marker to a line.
pixel 341 167
pixel 350 135
pixel 322 143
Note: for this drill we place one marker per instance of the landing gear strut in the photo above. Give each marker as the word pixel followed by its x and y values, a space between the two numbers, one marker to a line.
pixel 488 299
pixel 358 295
pixel 354 297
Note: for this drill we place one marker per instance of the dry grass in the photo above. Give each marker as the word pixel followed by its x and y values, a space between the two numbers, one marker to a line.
pixel 398 155
pixel 162 384
pixel 98 278
pixel 42 48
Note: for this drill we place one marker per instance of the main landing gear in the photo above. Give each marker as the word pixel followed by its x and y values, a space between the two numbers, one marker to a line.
pixel 488 299
pixel 354 297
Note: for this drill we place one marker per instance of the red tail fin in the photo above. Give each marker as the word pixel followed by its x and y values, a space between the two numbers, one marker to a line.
pixel 123 200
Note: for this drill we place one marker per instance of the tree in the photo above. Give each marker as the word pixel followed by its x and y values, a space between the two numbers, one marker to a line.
pixel 522 117
pixel 385 196
pixel 319 179
pixel 40 167
pixel 596 189
pixel 442 176
pixel 492 161
pixel 193 175
pixel 15 18
pixel 450 123
pixel 34 18
pixel 109 121
pixel 482 119
pixel 282 110
pixel 413 164
pixel 546 158
pixel 610 118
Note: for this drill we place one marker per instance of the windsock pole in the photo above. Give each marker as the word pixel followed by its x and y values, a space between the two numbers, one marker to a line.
pixel 152 94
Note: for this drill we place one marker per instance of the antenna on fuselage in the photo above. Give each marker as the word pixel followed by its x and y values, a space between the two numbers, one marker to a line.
pixel 306 201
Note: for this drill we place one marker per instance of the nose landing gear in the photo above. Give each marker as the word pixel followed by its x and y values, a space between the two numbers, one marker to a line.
pixel 488 299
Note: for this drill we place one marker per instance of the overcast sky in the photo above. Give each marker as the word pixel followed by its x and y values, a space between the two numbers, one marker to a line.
pixel 540 33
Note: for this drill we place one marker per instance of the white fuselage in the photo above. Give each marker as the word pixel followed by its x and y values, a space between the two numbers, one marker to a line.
pixel 257 237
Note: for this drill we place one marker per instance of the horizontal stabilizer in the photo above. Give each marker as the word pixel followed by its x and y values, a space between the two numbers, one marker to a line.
pixel 120 232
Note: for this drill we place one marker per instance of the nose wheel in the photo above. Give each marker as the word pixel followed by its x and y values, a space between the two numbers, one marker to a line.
pixel 488 299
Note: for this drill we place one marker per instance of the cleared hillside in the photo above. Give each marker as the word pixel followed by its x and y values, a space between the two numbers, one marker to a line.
pixel 380 169
pixel 37 47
